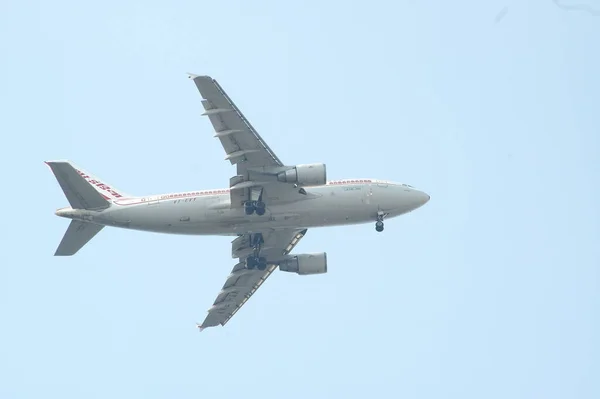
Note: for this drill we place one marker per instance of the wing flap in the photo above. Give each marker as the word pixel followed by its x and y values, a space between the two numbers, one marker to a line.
pixel 242 283
pixel 240 140
pixel 231 299
pixel 243 146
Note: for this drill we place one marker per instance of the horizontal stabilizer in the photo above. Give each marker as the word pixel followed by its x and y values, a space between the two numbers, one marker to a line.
pixel 79 192
pixel 77 235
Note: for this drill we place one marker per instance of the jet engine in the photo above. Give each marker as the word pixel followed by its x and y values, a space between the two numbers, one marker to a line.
pixel 305 264
pixel 310 174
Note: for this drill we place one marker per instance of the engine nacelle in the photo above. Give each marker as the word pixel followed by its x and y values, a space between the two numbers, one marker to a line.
pixel 313 174
pixel 305 264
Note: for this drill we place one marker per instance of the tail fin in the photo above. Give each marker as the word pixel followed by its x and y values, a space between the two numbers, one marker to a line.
pixel 77 235
pixel 83 190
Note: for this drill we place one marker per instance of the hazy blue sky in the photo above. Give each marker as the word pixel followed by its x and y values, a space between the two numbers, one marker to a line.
pixel 489 291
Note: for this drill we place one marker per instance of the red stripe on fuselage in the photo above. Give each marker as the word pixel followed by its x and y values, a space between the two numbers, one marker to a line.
pixel 216 192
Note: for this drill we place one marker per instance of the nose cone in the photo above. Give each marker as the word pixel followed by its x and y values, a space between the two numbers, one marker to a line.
pixel 420 198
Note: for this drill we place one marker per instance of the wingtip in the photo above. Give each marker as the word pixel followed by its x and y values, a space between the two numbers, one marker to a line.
pixel 199 326
pixel 53 161
pixel 48 164
pixel 193 76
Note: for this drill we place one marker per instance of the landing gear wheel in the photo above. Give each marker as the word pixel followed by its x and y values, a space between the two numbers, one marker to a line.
pixel 262 263
pixel 260 208
pixel 251 262
pixel 255 260
pixel 259 263
pixel 255 206
pixel 379 226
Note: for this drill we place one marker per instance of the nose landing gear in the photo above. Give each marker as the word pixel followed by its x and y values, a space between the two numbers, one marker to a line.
pixel 379 223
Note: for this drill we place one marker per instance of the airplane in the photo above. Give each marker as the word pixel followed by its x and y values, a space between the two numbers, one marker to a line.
pixel 268 207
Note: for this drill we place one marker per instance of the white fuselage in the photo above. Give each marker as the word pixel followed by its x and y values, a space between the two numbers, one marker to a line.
pixel 208 212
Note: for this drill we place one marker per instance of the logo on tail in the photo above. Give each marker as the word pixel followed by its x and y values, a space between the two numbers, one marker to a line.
pixel 101 186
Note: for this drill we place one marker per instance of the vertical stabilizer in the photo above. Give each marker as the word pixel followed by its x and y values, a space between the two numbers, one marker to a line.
pixel 84 192
pixel 79 192
pixel 108 191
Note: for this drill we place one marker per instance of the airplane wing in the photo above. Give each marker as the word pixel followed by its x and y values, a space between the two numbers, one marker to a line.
pixel 242 144
pixel 242 283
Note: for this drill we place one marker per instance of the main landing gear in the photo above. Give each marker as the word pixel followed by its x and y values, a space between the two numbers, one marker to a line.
pixel 255 203
pixel 255 260
pixel 379 222
pixel 255 206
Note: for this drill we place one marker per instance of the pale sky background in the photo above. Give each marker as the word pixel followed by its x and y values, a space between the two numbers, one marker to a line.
pixel 488 291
